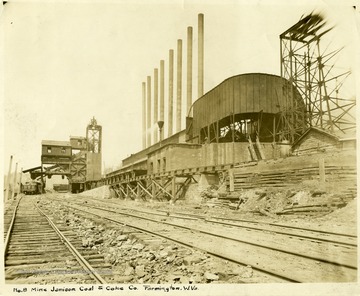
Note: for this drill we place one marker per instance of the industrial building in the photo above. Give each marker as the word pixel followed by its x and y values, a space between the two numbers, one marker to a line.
pixel 245 119
pixel 79 160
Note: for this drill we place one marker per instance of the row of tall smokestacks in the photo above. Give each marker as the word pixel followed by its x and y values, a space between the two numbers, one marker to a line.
pixel 151 109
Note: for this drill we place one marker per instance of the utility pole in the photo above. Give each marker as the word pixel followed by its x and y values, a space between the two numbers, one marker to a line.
pixel 8 180
pixel 14 183
pixel 19 191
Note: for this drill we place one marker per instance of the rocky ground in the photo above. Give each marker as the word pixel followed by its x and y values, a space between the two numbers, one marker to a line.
pixel 136 261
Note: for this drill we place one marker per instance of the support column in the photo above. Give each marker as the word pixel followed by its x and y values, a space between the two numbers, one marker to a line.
pixel 138 191
pixel 8 180
pixel 14 182
pixel 173 187
pixel 153 189
pixel 20 181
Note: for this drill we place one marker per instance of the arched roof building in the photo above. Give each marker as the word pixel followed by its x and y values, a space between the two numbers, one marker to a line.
pixel 241 106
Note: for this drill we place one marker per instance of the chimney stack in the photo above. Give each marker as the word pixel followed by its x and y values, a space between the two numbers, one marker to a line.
pixel 189 69
pixel 156 105
pixel 162 93
pixel 200 55
pixel 144 115
pixel 171 92
pixel 149 111
pixel 179 85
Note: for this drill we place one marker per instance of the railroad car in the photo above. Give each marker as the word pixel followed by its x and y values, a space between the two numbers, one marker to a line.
pixel 32 187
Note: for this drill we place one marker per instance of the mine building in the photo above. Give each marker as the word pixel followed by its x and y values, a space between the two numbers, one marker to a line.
pixel 243 121
pixel 78 160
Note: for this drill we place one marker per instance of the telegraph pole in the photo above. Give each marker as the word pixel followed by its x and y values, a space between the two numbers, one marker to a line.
pixel 8 180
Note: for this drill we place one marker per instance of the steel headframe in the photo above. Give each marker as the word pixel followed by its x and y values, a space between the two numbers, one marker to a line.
pixel 93 136
pixel 308 73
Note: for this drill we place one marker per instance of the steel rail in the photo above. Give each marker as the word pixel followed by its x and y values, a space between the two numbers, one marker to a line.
pixel 196 217
pixel 288 279
pixel 233 239
pixel 8 234
pixel 83 262
pixel 262 229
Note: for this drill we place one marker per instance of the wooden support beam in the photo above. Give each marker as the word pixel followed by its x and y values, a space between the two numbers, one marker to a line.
pixel 123 191
pixel 132 190
pixel 252 150
pixel 162 189
pixel 258 145
pixel 138 190
pixel 181 188
pixel 144 189
pixel 173 187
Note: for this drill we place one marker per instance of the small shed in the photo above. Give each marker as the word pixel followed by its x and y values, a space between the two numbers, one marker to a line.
pixel 315 140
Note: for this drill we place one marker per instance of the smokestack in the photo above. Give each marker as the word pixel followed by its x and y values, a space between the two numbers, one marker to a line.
pixel 189 69
pixel 156 105
pixel 162 93
pixel 178 85
pixel 144 115
pixel 200 55
pixel 171 92
pixel 148 116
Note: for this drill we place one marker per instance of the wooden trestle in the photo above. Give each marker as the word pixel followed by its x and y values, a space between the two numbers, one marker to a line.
pixel 163 186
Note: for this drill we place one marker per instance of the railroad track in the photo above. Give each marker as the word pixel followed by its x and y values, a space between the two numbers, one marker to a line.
pixel 280 255
pixel 37 251
pixel 338 239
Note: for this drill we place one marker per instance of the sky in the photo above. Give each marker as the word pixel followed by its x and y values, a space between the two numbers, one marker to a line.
pixel 67 62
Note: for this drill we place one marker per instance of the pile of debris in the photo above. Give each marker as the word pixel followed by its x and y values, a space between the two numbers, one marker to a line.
pixel 272 202
pixel 135 261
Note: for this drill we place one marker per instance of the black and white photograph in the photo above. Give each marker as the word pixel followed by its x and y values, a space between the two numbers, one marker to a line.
pixel 179 147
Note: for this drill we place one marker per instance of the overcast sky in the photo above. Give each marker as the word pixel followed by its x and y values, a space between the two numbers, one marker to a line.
pixel 65 63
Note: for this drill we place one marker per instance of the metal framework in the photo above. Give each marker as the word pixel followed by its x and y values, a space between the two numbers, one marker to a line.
pixel 93 136
pixel 308 71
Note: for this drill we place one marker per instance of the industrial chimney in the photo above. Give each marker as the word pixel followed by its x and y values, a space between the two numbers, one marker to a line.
pixel 189 69
pixel 200 55
pixel 171 92
pixel 179 85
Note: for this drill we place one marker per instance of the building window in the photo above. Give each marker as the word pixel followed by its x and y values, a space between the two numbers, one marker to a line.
pixel 164 164
pixel 158 165
pixel 79 142
pixel 48 149
pixel 63 150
